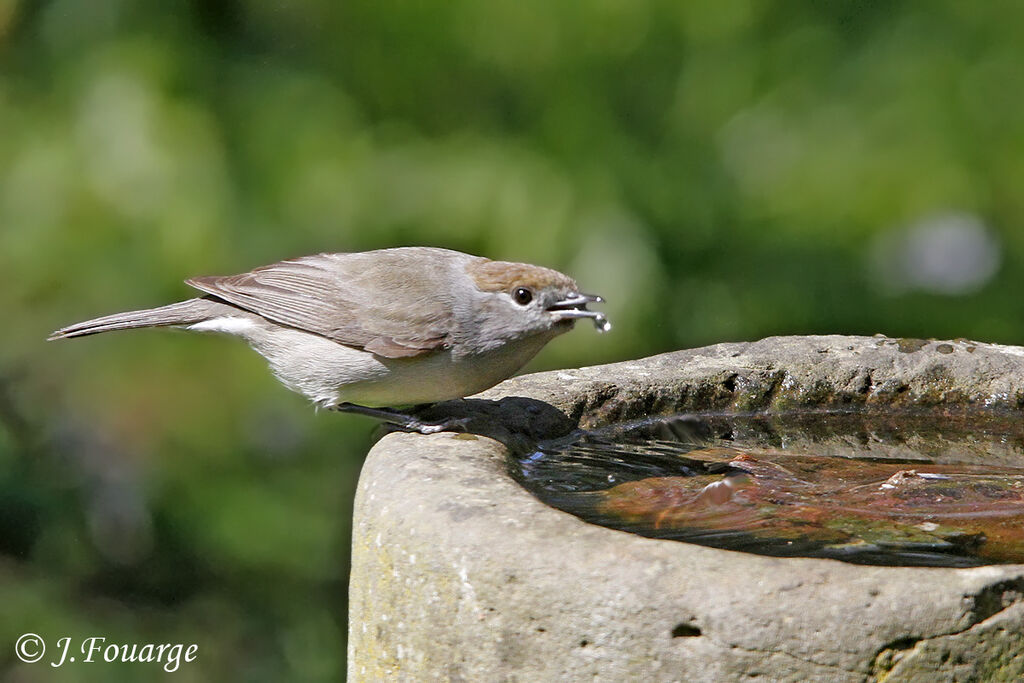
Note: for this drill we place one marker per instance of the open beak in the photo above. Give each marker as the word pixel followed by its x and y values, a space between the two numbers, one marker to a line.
pixel 575 306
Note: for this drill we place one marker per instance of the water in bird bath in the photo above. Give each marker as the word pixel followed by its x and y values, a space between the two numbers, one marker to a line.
pixel 903 489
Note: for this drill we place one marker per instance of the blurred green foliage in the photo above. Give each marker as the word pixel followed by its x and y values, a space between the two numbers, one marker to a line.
pixel 719 170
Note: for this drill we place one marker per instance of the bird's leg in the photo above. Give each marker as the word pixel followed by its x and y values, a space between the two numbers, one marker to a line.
pixel 402 420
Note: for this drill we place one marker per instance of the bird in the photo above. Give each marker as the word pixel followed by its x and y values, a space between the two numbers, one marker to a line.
pixel 372 332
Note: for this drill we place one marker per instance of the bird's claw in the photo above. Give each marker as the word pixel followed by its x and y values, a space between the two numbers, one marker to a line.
pixel 460 424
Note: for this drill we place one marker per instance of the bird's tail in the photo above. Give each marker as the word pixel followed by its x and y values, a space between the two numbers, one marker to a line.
pixel 182 313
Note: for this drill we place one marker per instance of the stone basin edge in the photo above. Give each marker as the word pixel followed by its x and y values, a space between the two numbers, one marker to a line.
pixel 460 574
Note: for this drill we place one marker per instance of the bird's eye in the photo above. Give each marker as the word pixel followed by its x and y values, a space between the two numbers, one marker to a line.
pixel 522 295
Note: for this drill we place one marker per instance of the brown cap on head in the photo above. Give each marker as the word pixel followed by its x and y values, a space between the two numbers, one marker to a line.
pixel 501 276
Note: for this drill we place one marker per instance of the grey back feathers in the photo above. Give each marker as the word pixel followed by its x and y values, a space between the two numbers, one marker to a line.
pixel 390 302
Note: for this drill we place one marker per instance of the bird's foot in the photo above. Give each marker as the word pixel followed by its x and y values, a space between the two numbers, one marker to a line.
pixel 404 421
pixel 453 424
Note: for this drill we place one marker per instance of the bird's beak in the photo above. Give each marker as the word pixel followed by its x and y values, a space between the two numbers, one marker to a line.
pixel 575 306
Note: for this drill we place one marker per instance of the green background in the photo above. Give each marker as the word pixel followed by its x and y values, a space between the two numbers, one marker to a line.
pixel 720 171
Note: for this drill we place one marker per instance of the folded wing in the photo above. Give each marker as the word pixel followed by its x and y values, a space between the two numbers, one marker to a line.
pixel 376 301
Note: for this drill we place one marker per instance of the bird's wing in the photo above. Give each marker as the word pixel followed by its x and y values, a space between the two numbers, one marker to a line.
pixel 376 301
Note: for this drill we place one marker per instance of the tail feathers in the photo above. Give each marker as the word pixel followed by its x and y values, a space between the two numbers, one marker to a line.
pixel 182 313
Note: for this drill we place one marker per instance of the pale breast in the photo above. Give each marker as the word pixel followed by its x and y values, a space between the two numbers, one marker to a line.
pixel 329 373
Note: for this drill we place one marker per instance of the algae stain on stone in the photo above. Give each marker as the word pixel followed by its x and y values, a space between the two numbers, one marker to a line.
pixel 910 345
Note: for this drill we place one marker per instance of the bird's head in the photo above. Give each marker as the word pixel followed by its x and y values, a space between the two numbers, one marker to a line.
pixel 517 300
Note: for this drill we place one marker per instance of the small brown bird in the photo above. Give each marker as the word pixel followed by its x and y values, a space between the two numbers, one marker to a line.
pixel 394 327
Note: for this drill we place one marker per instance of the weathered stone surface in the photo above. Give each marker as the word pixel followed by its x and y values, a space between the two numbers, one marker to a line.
pixel 460 574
